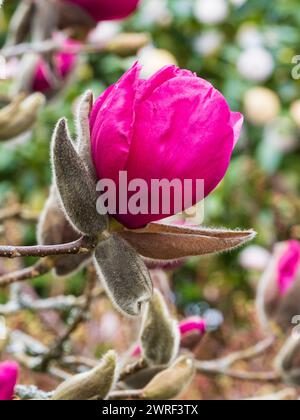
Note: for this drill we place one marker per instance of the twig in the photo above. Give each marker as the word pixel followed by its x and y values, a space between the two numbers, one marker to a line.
pixel 285 394
pixel 79 360
pixel 223 366
pixel 43 266
pixel 58 303
pixel 58 373
pixel 126 394
pixel 82 245
pixel 132 369
pixel 58 347
pixel 247 354
pixel 212 369
pixel 31 392
pixel 132 42
pixel 29 352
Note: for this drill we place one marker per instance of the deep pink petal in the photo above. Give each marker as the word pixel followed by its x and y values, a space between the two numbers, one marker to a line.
pixel 192 324
pixel 107 9
pixel 173 126
pixel 166 73
pixel 64 63
pixel 289 267
pixel 98 106
pixel 8 378
pixel 112 128
pixel 237 120
pixel 182 131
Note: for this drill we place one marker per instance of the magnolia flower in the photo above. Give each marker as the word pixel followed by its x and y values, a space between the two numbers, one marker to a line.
pixel 172 126
pixel 278 298
pixel 256 64
pixel 106 10
pixel 8 379
pixel 45 79
pixel 177 119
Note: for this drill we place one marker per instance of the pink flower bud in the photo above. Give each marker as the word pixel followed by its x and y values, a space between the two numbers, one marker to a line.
pixel 8 378
pixel 288 267
pixel 192 324
pixel 64 64
pixel 107 9
pixel 279 290
pixel 173 126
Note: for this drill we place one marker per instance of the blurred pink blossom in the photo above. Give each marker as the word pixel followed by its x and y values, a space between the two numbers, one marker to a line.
pixel 8 378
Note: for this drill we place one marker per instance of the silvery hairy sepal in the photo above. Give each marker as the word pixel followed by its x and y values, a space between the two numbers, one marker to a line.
pixel 95 384
pixel 76 187
pixel 120 268
pixel 160 333
pixel 54 228
pixel 163 241
pixel 287 363
pixel 123 274
pixel 83 132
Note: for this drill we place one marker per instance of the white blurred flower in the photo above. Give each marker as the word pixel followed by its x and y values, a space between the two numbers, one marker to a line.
pixel 153 59
pixel 156 12
pixel 295 112
pixel 254 257
pixel 209 42
pixel 12 68
pixel 211 11
pixel 249 36
pixel 109 326
pixel 262 105
pixel 104 32
pixel 256 64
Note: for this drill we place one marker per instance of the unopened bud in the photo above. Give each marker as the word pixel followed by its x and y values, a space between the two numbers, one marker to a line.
pixel 77 189
pixel 160 333
pixel 93 385
pixel 83 132
pixel 278 296
pixel 172 381
pixel 19 116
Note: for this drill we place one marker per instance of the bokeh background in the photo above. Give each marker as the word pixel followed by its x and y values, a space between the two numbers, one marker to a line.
pixel 246 49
